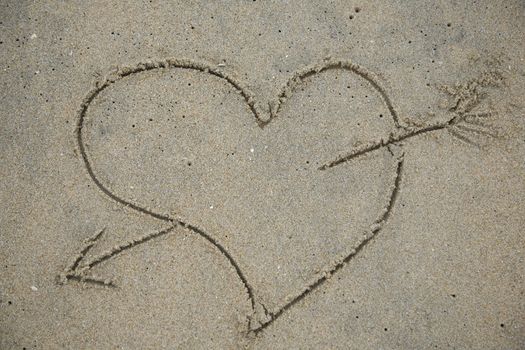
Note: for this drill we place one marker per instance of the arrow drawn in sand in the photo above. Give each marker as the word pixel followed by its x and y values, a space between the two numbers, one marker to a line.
pixel 464 124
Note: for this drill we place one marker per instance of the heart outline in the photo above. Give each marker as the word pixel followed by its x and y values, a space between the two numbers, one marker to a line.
pixel 249 98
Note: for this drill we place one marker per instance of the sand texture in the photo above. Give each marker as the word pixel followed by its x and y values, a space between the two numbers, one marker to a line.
pixel 258 174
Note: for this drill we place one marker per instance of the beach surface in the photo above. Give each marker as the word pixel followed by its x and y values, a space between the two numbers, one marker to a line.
pixel 262 174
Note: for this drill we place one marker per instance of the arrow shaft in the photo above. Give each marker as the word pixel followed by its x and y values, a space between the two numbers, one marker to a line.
pixel 392 139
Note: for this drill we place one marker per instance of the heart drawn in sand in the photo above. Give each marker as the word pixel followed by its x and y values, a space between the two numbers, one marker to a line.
pixel 187 143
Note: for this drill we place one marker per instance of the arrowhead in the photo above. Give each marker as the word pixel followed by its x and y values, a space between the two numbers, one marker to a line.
pixel 77 272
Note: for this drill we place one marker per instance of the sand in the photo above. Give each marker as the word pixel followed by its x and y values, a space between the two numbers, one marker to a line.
pixel 262 175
